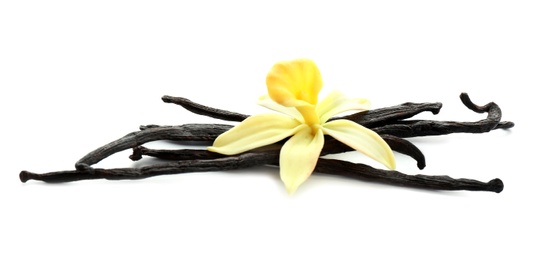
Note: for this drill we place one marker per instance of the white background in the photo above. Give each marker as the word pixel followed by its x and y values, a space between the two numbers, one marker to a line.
pixel 75 75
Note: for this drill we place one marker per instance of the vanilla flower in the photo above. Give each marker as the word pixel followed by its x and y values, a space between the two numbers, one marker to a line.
pixel 293 88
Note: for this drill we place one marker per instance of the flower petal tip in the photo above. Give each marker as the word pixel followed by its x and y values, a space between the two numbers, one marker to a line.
pixel 213 149
pixel 291 188
pixel 388 159
pixel 391 164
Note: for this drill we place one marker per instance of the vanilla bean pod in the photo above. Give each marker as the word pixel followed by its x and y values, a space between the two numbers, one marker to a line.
pixel 205 110
pixel 369 118
pixel 187 132
pixel 442 182
pixel 383 116
pixel 331 146
pixel 249 159
pixel 412 128
pixel 173 155
pixel 243 160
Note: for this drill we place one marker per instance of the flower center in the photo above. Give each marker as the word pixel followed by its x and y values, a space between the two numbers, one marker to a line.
pixel 309 115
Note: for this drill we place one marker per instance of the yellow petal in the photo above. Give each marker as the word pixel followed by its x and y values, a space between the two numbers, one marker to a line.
pixel 362 139
pixel 253 132
pixel 336 103
pixel 298 157
pixel 294 83
pixel 267 102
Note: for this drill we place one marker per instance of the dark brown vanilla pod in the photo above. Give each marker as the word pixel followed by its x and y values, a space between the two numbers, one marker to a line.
pixel 412 128
pixel 370 118
pixel 244 160
pixel 250 159
pixel 383 116
pixel 331 146
pixel 390 123
pixel 173 155
pixel 205 110
pixel 442 182
pixel 188 132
